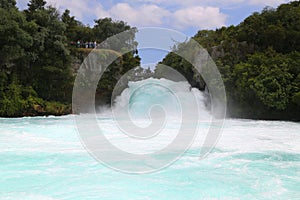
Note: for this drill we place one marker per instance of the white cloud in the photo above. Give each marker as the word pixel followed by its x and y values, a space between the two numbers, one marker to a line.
pixel 199 17
pixel 152 15
pixel 145 15
pixel 100 12
pixel 180 14
pixel 77 8
pixel 272 3
pixel 219 3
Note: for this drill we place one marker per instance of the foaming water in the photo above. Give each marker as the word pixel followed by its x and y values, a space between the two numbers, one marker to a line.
pixel 140 98
pixel 43 158
pixel 167 106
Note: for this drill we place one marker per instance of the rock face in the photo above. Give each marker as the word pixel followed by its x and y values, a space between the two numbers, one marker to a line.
pixel 38 108
pixel 46 109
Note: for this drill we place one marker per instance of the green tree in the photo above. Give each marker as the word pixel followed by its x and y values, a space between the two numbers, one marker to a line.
pixel 35 5
pixel 259 62
pixel 51 61
pixel 8 4
pixel 72 26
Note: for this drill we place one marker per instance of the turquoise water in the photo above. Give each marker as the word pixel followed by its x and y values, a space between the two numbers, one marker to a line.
pixel 42 158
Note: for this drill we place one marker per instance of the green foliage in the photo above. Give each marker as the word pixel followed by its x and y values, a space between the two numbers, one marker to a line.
pixel 8 4
pixel 35 5
pixel 14 39
pixel 259 61
pixel 113 74
pixel 268 77
pixel 71 26
pixel 106 27
pixel 278 28
pixel 12 102
pixel 38 58
pixel 296 98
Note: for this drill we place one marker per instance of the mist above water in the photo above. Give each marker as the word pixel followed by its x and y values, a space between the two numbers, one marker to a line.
pixel 161 98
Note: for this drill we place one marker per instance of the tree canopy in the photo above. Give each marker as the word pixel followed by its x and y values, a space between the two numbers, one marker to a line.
pixel 39 58
pixel 259 61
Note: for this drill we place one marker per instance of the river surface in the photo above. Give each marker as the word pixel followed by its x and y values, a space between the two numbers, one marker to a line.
pixel 42 158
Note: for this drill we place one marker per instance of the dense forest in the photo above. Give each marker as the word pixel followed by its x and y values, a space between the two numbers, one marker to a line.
pixel 40 53
pixel 259 61
pixel 42 49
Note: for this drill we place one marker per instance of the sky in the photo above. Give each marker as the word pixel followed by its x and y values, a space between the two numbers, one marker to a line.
pixel 186 16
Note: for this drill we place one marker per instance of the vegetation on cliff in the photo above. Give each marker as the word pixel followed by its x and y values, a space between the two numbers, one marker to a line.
pixel 259 61
pixel 39 58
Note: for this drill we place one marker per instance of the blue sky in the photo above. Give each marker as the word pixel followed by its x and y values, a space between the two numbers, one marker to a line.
pixel 186 16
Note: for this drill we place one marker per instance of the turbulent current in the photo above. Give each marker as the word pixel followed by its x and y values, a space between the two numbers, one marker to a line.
pixel 43 158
